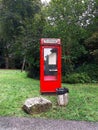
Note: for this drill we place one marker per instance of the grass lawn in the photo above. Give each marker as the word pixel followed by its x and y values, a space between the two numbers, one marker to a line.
pixel 15 88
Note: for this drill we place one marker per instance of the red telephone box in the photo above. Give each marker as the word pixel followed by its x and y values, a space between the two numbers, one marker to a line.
pixel 50 64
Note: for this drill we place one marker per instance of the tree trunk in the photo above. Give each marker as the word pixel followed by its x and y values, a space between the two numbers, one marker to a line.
pixel 6 62
pixel 23 64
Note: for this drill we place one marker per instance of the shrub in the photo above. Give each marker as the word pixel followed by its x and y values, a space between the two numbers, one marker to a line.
pixel 33 72
pixel 91 70
pixel 76 78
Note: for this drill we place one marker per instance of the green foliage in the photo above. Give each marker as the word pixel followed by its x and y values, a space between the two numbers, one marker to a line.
pixel 92 45
pixel 62 21
pixel 76 78
pixel 21 32
pixel 67 67
pixel 33 60
pixel 87 73
pixel 91 70
pixel 33 72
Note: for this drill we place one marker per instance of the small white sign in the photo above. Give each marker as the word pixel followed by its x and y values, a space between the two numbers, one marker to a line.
pixel 51 41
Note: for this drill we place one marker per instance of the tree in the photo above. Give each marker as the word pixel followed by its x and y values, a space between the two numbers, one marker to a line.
pixel 16 33
pixel 92 45
pixel 63 21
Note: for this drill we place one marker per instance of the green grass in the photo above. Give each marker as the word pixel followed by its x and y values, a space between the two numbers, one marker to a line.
pixel 15 88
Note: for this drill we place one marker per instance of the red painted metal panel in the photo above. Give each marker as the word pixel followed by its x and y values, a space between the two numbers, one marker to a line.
pixel 49 83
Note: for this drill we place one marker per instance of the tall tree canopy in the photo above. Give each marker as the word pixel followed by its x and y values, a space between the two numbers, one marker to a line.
pixel 19 26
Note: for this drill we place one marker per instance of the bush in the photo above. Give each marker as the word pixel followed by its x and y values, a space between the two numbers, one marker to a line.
pixel 91 70
pixel 33 72
pixel 76 78
pixel 67 68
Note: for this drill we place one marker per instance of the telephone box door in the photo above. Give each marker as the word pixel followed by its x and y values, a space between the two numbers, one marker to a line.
pixel 50 68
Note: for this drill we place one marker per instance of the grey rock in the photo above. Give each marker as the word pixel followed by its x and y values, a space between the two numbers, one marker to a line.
pixel 36 105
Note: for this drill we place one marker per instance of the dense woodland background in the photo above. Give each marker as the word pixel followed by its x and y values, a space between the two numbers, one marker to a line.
pixel 24 22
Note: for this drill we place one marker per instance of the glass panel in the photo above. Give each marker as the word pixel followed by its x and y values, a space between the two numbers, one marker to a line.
pixel 50 61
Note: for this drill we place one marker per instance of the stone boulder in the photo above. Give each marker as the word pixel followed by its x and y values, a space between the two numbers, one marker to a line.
pixel 36 105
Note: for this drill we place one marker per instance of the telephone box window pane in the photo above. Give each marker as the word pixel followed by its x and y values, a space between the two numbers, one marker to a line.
pixel 50 61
